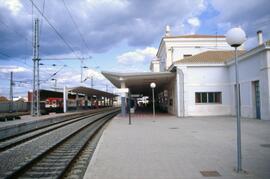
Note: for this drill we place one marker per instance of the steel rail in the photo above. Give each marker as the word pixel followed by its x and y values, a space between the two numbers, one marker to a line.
pixel 67 149
pixel 67 117
pixel 5 145
pixel 79 166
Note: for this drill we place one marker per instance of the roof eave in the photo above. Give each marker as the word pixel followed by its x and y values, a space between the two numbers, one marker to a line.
pixel 249 53
pixel 201 64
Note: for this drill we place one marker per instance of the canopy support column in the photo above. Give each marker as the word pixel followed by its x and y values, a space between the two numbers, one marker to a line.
pixel 123 100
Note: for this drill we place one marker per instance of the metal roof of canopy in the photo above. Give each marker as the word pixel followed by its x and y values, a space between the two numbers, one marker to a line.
pixel 91 92
pixel 139 82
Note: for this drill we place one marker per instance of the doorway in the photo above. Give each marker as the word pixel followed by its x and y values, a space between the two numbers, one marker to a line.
pixel 257 101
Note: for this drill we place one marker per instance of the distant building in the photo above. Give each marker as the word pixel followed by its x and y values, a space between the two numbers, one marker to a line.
pixel 20 98
pixel 3 99
pixel 195 76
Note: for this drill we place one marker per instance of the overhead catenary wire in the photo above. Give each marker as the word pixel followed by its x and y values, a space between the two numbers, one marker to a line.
pixel 41 23
pixel 19 35
pixel 12 59
pixel 41 12
pixel 15 31
pixel 4 54
pixel 76 26
pixel 55 30
pixel 54 74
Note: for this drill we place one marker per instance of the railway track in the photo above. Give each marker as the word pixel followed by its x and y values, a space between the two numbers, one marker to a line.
pixel 18 139
pixel 52 154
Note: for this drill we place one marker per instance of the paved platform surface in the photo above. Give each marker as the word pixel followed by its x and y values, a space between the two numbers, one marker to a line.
pixel 180 148
pixel 29 118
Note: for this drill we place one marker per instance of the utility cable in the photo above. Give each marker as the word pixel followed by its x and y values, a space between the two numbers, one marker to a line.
pixel 56 31
pixel 76 25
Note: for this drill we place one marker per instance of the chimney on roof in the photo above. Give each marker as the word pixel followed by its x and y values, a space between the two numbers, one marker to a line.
pixel 260 37
pixel 167 31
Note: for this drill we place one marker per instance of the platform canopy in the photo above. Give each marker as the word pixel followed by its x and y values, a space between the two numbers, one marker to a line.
pixel 91 92
pixel 139 82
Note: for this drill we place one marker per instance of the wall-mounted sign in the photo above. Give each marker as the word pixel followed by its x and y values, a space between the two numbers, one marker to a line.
pixel 136 95
pixel 122 90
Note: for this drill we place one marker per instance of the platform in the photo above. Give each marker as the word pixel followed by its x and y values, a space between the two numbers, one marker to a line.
pixel 170 147
pixel 28 122
pixel 29 118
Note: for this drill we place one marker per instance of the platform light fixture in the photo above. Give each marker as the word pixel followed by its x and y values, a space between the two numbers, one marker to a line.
pixel 55 83
pixel 236 37
pixel 153 86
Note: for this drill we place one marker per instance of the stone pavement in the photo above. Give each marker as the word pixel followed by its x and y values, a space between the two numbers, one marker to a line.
pixel 180 148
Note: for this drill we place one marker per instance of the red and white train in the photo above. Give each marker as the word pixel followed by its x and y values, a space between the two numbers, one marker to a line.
pixel 56 104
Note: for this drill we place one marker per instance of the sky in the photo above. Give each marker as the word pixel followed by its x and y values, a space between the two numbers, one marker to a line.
pixel 111 35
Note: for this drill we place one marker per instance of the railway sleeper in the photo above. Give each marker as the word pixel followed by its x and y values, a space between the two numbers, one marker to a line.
pixel 79 139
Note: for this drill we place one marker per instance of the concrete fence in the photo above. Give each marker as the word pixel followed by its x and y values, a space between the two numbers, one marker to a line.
pixel 18 106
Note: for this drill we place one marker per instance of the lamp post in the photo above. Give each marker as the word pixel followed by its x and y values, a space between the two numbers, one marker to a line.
pixel 235 37
pixel 82 67
pixel 55 83
pixel 153 85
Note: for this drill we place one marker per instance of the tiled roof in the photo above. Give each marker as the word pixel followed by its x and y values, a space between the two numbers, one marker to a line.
pixel 209 57
pixel 196 36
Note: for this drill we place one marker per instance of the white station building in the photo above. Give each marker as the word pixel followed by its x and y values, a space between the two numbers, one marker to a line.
pixel 195 76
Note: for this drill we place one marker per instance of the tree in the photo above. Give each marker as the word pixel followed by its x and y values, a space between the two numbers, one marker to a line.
pixel 3 99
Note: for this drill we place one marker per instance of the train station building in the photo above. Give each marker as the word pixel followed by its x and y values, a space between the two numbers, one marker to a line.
pixel 195 76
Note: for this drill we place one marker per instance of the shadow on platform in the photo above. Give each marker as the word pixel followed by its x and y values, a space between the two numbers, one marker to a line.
pixel 145 112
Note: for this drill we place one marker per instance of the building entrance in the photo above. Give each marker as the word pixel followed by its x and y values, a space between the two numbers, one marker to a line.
pixel 138 85
pixel 257 99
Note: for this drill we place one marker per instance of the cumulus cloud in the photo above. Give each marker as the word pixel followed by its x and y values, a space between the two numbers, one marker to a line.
pixel 103 23
pixel 250 15
pixel 106 23
pixel 65 79
pixel 15 69
pixel 13 5
pixel 93 73
pixel 191 25
pixel 137 56
pixel 194 21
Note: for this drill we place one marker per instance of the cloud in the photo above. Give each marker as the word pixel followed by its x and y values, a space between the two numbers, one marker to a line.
pixel 249 14
pixel 13 5
pixel 66 79
pixel 15 69
pixel 137 56
pixel 93 73
pixel 194 21
pixel 103 23
pixel 191 25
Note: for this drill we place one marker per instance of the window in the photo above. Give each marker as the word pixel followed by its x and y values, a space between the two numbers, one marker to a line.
pixel 187 55
pixel 171 102
pixel 208 97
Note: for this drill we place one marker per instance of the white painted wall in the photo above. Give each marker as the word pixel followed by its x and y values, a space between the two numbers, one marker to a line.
pixel 265 87
pixel 252 68
pixel 206 79
pixel 182 46
pixel 155 66
pixel 221 78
